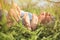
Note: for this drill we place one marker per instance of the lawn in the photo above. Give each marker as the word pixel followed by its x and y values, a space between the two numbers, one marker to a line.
pixel 19 32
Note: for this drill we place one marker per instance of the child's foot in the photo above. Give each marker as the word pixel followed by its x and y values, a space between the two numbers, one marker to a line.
pixel 26 21
pixel 34 22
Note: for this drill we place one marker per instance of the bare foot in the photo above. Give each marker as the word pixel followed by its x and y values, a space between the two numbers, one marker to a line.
pixel 26 21
pixel 45 17
pixel 34 22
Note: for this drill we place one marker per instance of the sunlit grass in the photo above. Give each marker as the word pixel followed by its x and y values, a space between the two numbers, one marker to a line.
pixel 20 32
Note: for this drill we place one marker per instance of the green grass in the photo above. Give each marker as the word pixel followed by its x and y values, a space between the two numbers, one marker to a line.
pixel 43 32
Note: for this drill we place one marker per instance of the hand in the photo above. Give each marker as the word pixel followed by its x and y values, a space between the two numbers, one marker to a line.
pixel 14 13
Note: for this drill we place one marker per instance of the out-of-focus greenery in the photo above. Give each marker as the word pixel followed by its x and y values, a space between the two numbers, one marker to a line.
pixel 19 32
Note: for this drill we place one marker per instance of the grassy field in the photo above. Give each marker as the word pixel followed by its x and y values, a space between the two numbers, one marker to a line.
pixel 19 32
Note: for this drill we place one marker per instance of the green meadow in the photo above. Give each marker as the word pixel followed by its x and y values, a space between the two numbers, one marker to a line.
pixel 19 32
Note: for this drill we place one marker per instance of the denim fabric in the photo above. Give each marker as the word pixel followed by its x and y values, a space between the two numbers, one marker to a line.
pixel 29 14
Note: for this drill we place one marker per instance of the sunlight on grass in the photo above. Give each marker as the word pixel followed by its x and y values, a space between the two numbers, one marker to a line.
pixel 19 32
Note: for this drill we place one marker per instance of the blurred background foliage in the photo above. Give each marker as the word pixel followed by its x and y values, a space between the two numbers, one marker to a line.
pixel 19 32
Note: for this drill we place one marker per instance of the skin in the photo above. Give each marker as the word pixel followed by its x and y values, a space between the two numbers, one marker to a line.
pixel 13 12
pixel 34 21
pixel 0 6
pixel 31 25
pixel 26 21
pixel 43 18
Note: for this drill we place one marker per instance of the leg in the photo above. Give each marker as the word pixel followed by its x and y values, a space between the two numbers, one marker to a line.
pixel 26 21
pixel 34 22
